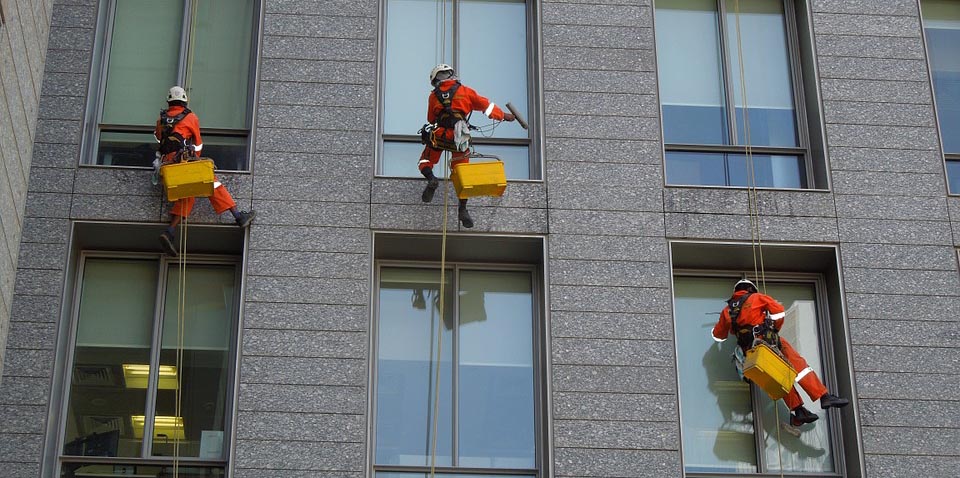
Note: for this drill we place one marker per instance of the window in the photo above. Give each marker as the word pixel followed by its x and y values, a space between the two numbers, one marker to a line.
pixel 131 349
pixel 941 28
pixel 720 414
pixel 730 79
pixel 487 410
pixel 144 48
pixel 487 44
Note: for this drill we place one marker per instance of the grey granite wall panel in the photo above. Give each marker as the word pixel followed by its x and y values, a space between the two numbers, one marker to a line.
pixel 345 8
pixel 912 441
pixel 558 57
pixel 312 398
pixel 890 256
pixel 299 455
pixel 313 427
pixel 919 414
pixel 614 379
pixel 872 69
pixel 617 435
pixel 615 406
pixel 639 353
pixel 616 463
pixel 23 418
pixel 891 306
pixel 880 114
pixel 907 466
pixel 890 358
pixel 887 7
pixel 904 48
pixel 606 325
pixel 939 331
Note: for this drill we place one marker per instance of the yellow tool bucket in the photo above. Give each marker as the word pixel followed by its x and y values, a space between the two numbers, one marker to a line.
pixel 769 371
pixel 188 179
pixel 479 179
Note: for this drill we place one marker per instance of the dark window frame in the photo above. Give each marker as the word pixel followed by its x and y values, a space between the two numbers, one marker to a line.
pixel 92 127
pixel 164 266
pixel 949 158
pixel 807 114
pixel 537 349
pixel 533 93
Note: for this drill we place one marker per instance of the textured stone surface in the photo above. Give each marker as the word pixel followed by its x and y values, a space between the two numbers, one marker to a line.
pixel 616 463
pixel 885 358
pixel 610 325
pixel 642 353
pixel 580 378
pixel 620 435
pixel 312 427
pixel 302 398
pixel 906 466
pixel 940 333
pixel 300 455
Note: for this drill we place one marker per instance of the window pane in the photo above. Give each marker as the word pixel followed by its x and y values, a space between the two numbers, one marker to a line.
pixel 412 49
pixel 207 318
pixel 400 159
pixel 704 169
pixel 770 171
pixel 716 408
pixel 73 470
pixel 496 400
pixel 112 357
pixel 397 474
pixel 727 169
pixel 941 24
pixel 690 78
pixel 766 72
pixel 126 149
pixel 220 71
pixel 811 451
pixel 409 316
pixel 228 152
pixel 953 176
pixel 143 55
pixel 493 57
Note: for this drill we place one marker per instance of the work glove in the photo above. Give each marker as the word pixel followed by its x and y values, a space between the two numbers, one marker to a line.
pixel 509 117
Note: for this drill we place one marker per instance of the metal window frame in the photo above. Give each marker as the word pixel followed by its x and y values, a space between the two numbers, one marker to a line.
pixel 97 85
pixel 800 111
pixel 828 366
pixel 534 100
pixel 947 156
pixel 537 349
pixel 164 265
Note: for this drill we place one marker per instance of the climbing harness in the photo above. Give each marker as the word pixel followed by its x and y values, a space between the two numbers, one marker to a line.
pixel 170 141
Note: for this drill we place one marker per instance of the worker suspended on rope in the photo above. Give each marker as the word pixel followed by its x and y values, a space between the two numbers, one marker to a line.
pixel 448 129
pixel 178 132
pixel 751 315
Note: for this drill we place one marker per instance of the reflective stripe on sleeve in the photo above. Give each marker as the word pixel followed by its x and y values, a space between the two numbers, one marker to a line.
pixel 716 339
pixel 489 109
pixel 217 184
pixel 424 161
pixel 198 147
pixel 778 316
pixel 803 373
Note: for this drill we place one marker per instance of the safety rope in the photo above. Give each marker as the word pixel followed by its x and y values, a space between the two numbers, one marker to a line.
pixel 753 204
pixel 191 41
pixel 181 329
pixel 442 16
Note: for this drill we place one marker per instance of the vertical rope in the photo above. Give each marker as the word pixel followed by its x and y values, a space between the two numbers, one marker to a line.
pixel 442 14
pixel 754 206
pixel 181 327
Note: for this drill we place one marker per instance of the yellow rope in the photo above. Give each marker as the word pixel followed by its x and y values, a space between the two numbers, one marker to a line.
pixel 754 206
pixel 181 328
pixel 191 34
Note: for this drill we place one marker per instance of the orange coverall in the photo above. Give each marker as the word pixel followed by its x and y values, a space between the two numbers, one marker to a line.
pixel 464 101
pixel 751 314
pixel 189 128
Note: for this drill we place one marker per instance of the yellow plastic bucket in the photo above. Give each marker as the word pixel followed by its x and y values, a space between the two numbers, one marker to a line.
pixel 479 179
pixel 188 179
pixel 769 371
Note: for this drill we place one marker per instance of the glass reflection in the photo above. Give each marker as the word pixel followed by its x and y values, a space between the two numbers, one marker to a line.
pixel 941 26
pixel 721 438
pixel 78 470
pixel 400 159
pixel 731 169
pixel 496 400
pixel 766 73
pixel 408 322
pixel 691 78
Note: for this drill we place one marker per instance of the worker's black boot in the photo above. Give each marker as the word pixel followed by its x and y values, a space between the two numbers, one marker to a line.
pixel 244 218
pixel 801 416
pixel 463 215
pixel 830 400
pixel 167 244
pixel 432 184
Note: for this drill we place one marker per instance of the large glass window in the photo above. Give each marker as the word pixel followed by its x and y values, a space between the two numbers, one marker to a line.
pixel 480 407
pixel 727 425
pixel 728 93
pixel 486 41
pixel 941 27
pixel 151 374
pixel 145 48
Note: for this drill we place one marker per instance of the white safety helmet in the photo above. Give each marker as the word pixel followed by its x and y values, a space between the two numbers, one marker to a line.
pixel 177 94
pixel 439 69
pixel 744 284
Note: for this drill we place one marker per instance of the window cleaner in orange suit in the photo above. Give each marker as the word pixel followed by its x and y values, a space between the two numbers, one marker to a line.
pixel 448 107
pixel 745 317
pixel 178 132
